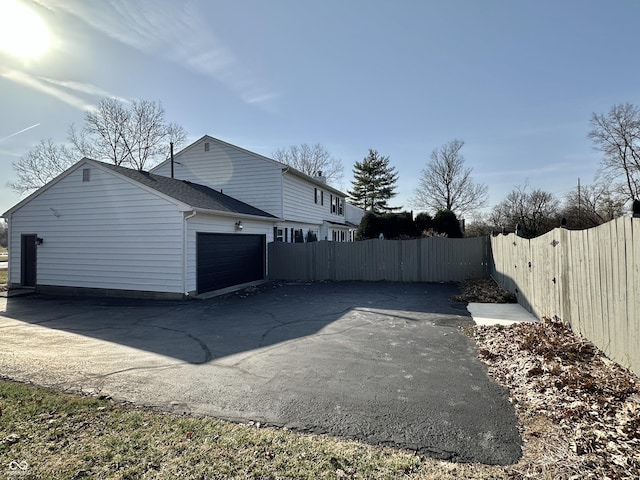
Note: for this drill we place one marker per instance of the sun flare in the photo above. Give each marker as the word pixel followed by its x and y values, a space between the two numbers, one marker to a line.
pixel 23 33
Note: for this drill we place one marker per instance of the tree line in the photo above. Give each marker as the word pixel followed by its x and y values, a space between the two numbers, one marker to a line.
pixel 135 134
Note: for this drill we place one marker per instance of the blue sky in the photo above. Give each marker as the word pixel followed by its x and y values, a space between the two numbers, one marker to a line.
pixel 516 80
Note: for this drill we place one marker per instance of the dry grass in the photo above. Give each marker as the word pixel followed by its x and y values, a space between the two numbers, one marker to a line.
pixel 579 417
pixel 47 434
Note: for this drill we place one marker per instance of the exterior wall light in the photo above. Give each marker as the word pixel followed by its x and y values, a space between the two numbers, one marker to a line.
pixel 239 225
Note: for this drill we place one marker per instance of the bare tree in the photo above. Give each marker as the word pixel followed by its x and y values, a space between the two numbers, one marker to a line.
pixel 445 184
pixel 591 205
pixel 530 213
pixel 311 160
pixel 134 136
pixel 40 165
pixel 4 234
pixel 617 136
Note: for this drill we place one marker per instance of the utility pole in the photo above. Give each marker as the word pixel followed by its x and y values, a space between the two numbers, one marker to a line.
pixel 171 154
pixel 579 202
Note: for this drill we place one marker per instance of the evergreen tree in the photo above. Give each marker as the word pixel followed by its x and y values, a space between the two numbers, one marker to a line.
pixel 391 225
pixel 423 222
pixel 374 183
pixel 445 221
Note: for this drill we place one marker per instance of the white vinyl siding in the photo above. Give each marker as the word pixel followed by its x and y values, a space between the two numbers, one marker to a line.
pixel 353 214
pixel 103 233
pixel 238 173
pixel 218 224
pixel 299 202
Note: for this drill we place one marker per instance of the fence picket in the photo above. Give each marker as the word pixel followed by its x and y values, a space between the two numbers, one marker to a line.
pixel 597 286
pixel 428 259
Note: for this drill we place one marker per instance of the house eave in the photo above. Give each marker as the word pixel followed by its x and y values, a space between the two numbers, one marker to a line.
pixel 244 216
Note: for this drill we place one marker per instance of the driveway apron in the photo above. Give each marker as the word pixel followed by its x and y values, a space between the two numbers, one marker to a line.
pixel 384 363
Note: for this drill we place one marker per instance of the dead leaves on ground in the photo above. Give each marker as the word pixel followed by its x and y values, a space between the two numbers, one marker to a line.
pixel 593 403
pixel 483 290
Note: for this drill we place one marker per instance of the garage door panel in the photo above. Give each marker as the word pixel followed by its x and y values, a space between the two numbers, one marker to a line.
pixel 224 260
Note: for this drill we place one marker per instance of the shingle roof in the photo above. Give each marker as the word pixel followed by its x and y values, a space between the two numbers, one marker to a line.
pixel 192 194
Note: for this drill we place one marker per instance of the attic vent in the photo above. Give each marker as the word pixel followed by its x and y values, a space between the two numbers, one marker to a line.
pixel 86 174
pixel 206 147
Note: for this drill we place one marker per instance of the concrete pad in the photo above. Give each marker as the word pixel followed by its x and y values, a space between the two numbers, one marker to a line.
pixel 499 313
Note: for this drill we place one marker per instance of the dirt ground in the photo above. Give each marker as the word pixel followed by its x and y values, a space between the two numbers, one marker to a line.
pixel 579 411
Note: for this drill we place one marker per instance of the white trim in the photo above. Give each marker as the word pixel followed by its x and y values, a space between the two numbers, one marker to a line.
pixel 184 252
pixel 292 170
pixel 181 206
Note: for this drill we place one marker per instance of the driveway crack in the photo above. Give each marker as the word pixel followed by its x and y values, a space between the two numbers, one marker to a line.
pixel 205 348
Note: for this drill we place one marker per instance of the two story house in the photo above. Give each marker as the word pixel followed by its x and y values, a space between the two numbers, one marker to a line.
pixel 198 226
pixel 306 207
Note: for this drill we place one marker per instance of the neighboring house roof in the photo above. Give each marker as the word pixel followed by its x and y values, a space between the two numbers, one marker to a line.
pixel 192 194
pixel 281 165
pixel 338 224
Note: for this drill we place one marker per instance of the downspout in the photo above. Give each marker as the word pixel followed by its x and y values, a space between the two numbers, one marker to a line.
pixel 284 170
pixel 9 256
pixel 184 253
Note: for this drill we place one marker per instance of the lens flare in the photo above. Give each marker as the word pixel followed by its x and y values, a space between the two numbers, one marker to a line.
pixel 23 33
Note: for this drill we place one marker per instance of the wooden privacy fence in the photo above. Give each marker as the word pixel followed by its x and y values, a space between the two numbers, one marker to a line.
pixel 589 279
pixel 422 260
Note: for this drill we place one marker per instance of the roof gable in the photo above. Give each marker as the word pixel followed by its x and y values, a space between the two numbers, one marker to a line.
pixel 191 194
pixel 286 168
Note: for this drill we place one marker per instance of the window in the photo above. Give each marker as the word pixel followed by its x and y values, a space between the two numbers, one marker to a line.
pixel 86 174
pixel 315 195
pixel 286 234
pixel 333 203
pixel 340 207
pixel 206 146
pixel 321 197
pixel 277 234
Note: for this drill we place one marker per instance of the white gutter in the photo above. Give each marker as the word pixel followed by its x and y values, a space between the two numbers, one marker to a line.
pixel 184 252
pixel 9 256
pixel 284 170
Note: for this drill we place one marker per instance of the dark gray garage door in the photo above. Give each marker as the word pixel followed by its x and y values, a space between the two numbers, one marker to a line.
pixel 224 260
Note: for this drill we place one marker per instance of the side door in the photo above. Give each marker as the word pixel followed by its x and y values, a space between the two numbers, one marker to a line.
pixel 28 260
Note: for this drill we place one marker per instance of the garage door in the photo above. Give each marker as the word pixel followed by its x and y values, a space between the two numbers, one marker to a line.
pixel 224 260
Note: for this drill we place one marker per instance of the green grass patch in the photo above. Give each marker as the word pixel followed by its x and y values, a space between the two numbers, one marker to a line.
pixel 3 276
pixel 47 434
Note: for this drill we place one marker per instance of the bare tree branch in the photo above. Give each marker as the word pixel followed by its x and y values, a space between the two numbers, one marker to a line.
pixel 40 165
pixel 533 213
pixel 617 136
pixel 445 184
pixel 591 206
pixel 135 136
pixel 312 160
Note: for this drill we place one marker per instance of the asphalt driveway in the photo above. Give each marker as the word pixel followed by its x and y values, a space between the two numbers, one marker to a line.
pixel 380 362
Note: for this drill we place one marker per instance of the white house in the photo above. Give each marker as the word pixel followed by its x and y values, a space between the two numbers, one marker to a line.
pixel 353 216
pixel 102 229
pixel 306 207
